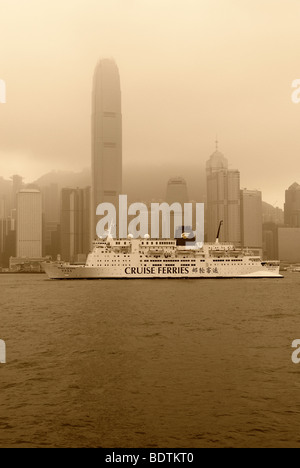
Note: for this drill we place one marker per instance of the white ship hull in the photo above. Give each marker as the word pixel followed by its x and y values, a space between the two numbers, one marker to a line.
pixel 73 272
pixel 164 259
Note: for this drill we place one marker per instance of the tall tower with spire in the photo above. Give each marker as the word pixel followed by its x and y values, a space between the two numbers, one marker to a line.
pixel 223 199
pixel 106 137
pixel 217 143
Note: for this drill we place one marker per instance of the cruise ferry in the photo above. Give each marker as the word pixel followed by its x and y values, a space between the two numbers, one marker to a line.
pixel 164 258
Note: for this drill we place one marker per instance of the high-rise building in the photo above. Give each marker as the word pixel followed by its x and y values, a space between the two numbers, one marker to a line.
pixel 51 220
pixel 270 241
pixel 177 192
pixel 2 208
pixel 292 206
pixel 17 185
pixel 7 241
pixel 106 137
pixel 51 203
pixel 251 219
pixel 8 238
pixel 75 224
pixel 288 244
pixel 223 200
pixel 29 223
pixel 5 197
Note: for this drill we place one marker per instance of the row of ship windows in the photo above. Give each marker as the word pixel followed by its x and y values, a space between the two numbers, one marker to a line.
pixel 190 262
pixel 232 260
pixel 157 243
pixel 115 256
pixel 169 262
pixel 147 243
pixel 172 261
pixel 156 260
pixel 115 262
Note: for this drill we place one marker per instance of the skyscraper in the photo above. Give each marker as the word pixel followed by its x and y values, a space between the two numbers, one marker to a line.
pixel 16 187
pixel 29 223
pixel 177 191
pixel 223 200
pixel 292 206
pixel 5 197
pixel 75 224
pixel 251 219
pixel 106 137
pixel 51 220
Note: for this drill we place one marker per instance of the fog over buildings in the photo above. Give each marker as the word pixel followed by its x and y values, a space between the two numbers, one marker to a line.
pixel 152 141
pixel 189 70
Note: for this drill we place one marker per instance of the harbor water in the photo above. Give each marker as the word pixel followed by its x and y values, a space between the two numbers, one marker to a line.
pixel 149 363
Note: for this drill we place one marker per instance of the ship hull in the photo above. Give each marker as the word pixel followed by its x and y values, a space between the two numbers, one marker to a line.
pixel 74 272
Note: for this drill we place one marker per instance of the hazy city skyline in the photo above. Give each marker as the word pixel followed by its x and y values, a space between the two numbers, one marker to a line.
pixel 189 70
pixel 149 140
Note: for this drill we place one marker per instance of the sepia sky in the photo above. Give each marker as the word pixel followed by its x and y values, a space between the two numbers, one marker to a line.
pixel 190 69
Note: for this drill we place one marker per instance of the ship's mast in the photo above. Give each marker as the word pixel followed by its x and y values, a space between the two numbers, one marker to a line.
pixel 218 234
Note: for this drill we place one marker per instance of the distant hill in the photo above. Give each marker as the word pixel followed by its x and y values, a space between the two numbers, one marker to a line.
pixel 65 179
pixel 272 214
pixel 140 182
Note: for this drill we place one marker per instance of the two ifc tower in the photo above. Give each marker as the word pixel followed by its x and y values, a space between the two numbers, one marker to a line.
pixel 106 137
